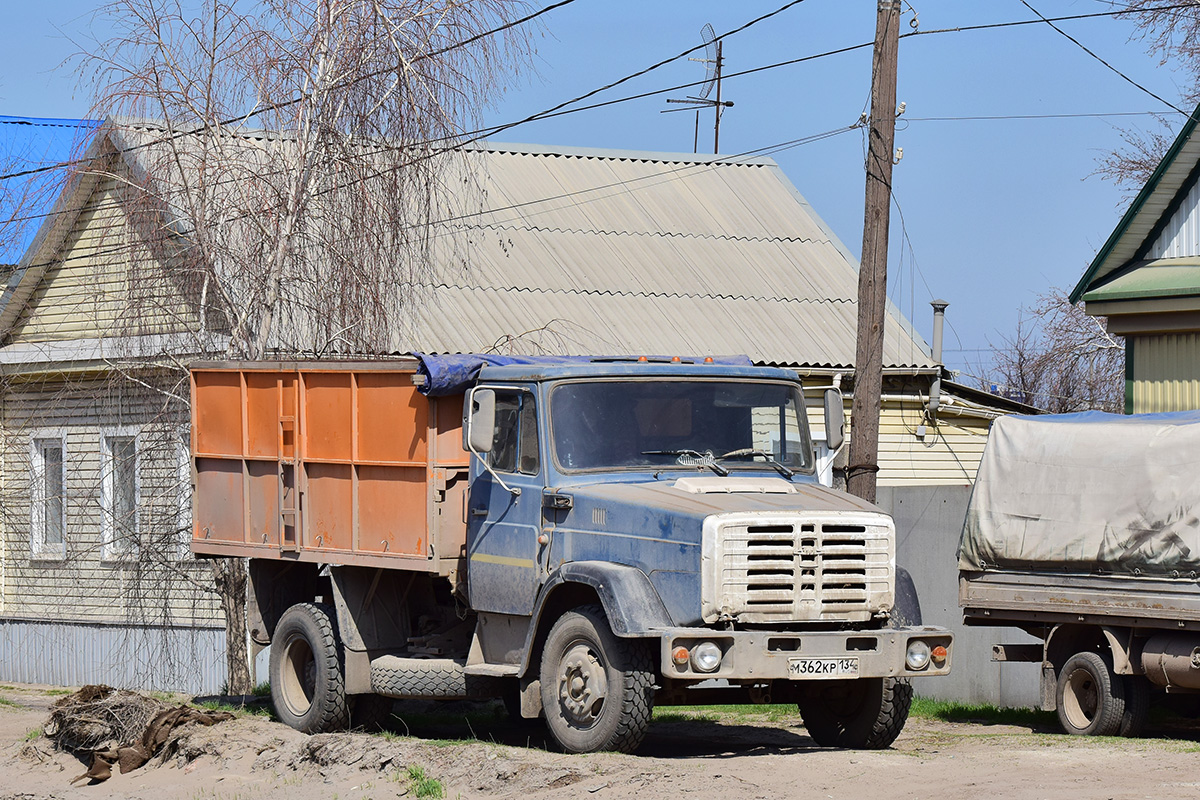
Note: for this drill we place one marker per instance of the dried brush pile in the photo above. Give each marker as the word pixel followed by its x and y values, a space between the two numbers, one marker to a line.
pixel 118 728
pixel 99 717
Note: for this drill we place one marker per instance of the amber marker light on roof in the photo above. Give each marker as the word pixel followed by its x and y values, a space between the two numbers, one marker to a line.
pixel 674 359
pixel 642 359
pixel 708 359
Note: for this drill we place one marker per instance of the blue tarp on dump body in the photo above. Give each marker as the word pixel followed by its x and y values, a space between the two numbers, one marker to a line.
pixel 452 374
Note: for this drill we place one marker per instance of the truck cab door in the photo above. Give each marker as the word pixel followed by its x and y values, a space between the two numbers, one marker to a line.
pixel 503 528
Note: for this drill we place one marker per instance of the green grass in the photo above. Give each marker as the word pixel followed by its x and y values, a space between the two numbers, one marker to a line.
pixel 984 713
pixel 4 701
pixel 53 692
pixel 249 710
pixel 262 690
pixel 33 734
pixel 749 712
pixel 423 785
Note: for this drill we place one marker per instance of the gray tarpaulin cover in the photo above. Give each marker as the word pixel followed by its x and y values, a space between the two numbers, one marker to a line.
pixel 1085 493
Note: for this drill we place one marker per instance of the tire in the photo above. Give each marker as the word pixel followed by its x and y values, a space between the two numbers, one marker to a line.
pixel 1137 706
pixel 307 685
pixel 863 714
pixel 1090 698
pixel 597 689
pixel 370 712
pixel 430 679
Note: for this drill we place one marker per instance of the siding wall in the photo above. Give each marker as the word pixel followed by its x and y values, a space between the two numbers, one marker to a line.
pixel 160 584
pixel 1181 236
pixel 105 282
pixel 188 660
pixel 1166 372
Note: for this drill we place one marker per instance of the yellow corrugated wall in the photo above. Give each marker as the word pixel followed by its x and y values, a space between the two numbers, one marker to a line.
pixel 1166 373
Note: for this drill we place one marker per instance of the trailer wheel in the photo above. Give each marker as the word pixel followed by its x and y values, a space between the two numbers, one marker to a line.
pixel 307 685
pixel 863 714
pixel 597 689
pixel 1137 706
pixel 1091 698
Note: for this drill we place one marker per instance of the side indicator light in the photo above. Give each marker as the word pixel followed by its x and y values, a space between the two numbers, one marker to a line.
pixel 680 655
pixel 939 654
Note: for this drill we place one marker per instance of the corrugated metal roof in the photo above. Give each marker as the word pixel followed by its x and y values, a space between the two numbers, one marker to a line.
pixel 1164 277
pixel 603 251
pixel 37 148
pixel 1150 211
pixel 562 250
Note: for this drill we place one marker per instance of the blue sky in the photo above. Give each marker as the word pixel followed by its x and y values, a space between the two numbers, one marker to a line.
pixel 995 211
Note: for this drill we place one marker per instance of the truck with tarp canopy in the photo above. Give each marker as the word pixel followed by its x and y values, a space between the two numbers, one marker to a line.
pixel 1084 530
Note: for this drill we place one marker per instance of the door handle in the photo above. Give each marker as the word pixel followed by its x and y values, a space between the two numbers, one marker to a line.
pixel 478 512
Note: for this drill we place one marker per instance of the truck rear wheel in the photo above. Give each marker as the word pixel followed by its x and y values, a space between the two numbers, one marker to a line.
pixel 1137 706
pixel 597 689
pixel 863 714
pixel 307 685
pixel 1090 697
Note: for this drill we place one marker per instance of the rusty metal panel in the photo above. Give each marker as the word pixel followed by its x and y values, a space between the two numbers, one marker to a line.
pixel 263 495
pixel 218 512
pixel 327 416
pixel 328 507
pixel 391 510
pixel 218 413
pixel 450 451
pixel 262 414
pixel 393 420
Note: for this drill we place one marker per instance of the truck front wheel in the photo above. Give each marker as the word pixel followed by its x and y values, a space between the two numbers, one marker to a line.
pixel 1091 698
pixel 307 685
pixel 863 714
pixel 597 689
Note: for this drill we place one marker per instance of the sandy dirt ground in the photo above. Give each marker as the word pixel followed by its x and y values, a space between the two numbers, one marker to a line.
pixel 484 755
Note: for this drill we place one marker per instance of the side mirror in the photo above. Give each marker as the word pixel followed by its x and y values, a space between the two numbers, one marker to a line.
pixel 481 423
pixel 835 419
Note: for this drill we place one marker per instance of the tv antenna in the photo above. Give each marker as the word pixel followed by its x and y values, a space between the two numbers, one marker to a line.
pixel 713 61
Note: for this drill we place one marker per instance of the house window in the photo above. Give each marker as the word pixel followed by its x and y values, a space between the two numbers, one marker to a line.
pixel 119 495
pixel 48 498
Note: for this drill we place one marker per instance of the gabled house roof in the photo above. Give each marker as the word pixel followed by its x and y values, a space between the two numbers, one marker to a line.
pixel 602 251
pixel 1131 245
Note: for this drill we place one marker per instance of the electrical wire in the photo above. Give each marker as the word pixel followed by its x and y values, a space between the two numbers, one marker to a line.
pixel 1085 49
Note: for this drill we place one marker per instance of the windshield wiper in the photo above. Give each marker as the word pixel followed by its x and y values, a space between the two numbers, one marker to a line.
pixel 770 459
pixel 699 459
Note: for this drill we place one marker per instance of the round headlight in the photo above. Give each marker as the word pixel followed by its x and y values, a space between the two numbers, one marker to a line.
pixel 706 657
pixel 917 657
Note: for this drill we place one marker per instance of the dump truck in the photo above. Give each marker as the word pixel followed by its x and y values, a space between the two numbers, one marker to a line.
pixel 1083 530
pixel 582 538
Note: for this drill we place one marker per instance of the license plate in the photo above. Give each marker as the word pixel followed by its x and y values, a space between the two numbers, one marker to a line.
pixel 823 667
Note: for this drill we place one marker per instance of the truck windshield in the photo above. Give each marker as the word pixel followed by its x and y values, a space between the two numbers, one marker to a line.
pixel 651 424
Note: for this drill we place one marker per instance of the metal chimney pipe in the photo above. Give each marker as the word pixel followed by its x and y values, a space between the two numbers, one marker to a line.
pixel 935 391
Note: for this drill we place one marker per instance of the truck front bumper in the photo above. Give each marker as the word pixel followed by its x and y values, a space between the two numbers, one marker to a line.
pixel 821 655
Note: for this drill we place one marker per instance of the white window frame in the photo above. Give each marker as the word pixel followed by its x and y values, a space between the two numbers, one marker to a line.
pixel 39 548
pixel 184 498
pixel 110 550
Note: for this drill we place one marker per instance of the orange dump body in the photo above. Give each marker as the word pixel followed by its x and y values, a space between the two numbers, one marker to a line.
pixel 343 463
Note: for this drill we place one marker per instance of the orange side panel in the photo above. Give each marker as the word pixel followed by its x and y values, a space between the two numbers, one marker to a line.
pixel 391 510
pixel 262 414
pixel 218 503
pixel 329 507
pixel 218 413
pixel 450 451
pixel 328 416
pixel 263 477
pixel 393 419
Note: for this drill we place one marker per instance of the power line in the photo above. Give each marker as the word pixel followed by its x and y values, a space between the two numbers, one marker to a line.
pixel 1084 48
pixel 357 79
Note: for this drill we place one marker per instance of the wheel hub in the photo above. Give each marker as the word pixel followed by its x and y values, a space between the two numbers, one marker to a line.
pixel 582 685
pixel 1081 698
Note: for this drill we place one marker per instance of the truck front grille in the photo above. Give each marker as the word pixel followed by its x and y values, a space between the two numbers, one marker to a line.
pixel 806 569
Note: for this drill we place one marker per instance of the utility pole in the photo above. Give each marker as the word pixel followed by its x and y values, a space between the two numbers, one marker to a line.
pixel 872 275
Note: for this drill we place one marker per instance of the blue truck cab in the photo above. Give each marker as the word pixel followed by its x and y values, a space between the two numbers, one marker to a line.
pixel 650 531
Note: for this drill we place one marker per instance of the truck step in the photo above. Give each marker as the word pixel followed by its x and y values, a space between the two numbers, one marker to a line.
pixel 430 678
